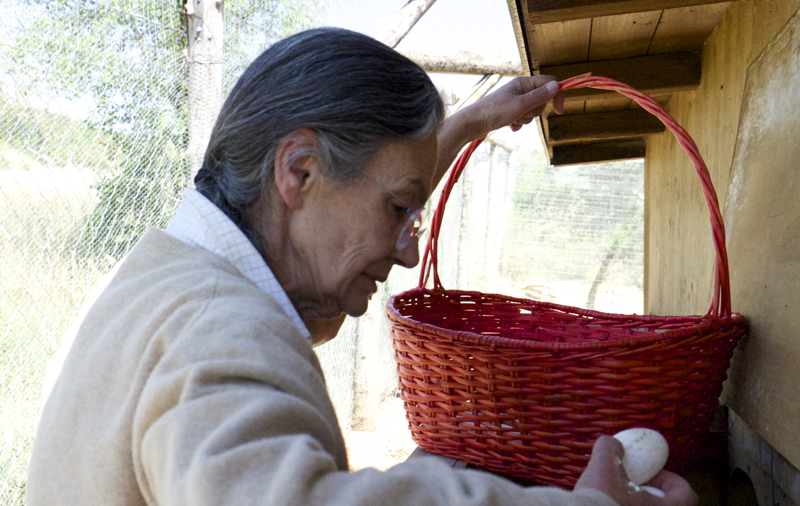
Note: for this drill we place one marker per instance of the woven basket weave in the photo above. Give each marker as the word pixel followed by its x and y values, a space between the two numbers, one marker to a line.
pixel 524 388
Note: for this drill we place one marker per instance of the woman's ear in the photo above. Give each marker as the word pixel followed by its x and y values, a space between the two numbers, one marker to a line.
pixel 296 166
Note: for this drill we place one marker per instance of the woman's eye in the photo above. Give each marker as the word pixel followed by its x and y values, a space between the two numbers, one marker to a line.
pixel 399 211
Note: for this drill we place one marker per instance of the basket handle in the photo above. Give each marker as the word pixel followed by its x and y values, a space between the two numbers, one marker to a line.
pixel 721 299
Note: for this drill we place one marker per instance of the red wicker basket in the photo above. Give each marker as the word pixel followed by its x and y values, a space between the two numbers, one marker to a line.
pixel 524 388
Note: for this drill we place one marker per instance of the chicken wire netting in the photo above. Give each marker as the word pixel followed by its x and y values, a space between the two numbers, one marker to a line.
pixel 93 133
pixel 90 154
pixel 93 138
pixel 572 235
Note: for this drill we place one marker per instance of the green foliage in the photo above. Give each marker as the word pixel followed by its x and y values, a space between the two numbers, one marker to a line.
pixel 143 191
pixel 251 27
pixel 126 58
pixel 29 134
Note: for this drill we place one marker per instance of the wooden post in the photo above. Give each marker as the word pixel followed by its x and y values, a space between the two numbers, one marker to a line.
pixel 366 392
pixel 481 88
pixel 491 240
pixel 464 270
pixel 204 30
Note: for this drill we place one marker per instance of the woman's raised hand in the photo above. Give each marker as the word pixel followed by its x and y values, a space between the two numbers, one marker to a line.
pixel 514 105
pixel 518 102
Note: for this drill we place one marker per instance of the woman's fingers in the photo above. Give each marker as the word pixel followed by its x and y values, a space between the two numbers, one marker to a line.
pixel 535 92
pixel 558 103
pixel 519 102
pixel 530 83
pixel 677 490
pixel 606 473
pixel 527 118
pixel 542 81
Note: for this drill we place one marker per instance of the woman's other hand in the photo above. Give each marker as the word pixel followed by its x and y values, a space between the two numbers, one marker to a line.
pixel 606 474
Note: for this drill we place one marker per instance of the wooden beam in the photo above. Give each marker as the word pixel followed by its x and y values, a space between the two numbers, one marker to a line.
pixel 556 11
pixel 404 20
pixel 518 22
pixel 466 62
pixel 608 151
pixel 665 73
pixel 602 126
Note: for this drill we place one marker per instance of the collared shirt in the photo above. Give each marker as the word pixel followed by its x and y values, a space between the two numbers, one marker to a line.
pixel 200 223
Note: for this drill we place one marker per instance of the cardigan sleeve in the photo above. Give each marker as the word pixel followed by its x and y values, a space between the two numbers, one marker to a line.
pixel 236 413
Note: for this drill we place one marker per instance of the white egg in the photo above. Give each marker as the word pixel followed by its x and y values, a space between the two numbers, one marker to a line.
pixel 646 452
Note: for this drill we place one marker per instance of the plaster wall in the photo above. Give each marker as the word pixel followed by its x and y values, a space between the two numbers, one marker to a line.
pixel 745 118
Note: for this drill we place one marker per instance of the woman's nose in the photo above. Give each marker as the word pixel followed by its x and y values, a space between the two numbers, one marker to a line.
pixel 409 256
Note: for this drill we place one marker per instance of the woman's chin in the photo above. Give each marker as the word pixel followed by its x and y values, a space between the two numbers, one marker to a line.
pixel 356 310
pixel 356 305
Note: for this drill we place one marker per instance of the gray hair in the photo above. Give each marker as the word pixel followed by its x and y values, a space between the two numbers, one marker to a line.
pixel 355 93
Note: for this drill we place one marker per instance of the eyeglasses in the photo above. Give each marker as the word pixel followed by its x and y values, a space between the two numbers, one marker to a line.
pixel 412 225
pixel 412 228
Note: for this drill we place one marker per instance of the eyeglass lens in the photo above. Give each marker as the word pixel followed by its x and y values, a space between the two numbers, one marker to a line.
pixel 411 230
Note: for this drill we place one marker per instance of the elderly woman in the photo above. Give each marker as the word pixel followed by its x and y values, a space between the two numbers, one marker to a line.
pixel 191 378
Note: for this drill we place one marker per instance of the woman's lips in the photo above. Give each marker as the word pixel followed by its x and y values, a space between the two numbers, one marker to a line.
pixel 375 280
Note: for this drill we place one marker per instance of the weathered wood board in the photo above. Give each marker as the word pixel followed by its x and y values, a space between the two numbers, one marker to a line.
pixel 685 29
pixel 622 36
pixel 678 247
pixel 763 221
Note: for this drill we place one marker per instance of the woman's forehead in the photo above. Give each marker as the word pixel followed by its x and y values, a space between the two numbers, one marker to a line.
pixel 406 167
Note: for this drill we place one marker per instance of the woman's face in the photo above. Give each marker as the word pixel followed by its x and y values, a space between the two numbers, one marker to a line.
pixel 348 235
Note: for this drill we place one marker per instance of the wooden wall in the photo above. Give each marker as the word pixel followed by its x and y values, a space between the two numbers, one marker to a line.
pixel 755 41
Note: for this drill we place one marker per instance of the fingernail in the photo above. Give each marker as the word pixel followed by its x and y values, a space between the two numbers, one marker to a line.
pixel 552 86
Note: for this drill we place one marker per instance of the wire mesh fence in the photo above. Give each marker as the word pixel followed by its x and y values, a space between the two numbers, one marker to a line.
pixel 93 108
pixel 89 156
pixel 578 235
pixel 573 235
pixel 92 152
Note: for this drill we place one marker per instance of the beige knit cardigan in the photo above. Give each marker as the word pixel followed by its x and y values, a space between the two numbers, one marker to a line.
pixel 187 385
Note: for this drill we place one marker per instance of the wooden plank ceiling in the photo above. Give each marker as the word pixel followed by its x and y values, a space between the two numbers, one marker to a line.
pixel 653 45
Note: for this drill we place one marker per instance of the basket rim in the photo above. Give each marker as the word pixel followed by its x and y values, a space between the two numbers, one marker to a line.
pixel 702 328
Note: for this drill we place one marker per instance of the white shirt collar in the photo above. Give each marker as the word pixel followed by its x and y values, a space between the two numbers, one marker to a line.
pixel 200 223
